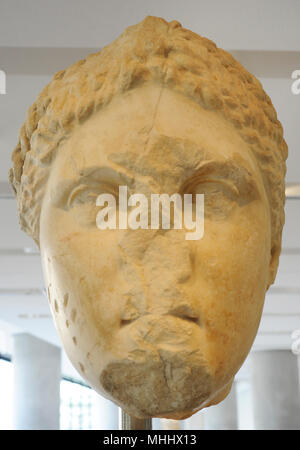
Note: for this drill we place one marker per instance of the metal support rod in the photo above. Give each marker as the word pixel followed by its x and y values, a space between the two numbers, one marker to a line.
pixel 127 422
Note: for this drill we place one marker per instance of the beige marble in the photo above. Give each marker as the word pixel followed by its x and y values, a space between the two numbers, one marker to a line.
pixel 158 324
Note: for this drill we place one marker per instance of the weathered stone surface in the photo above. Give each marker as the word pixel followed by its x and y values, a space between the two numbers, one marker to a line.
pixel 156 323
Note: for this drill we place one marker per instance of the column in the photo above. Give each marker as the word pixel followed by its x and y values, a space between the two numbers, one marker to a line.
pixel 223 416
pixel 37 374
pixel 275 387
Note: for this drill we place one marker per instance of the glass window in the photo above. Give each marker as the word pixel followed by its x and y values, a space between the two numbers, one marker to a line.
pixel 76 407
pixel 76 404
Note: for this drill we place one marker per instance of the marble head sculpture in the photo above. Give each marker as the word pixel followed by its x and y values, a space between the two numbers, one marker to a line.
pixel 157 323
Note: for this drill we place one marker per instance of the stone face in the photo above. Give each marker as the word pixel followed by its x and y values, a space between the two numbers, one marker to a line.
pixel 156 323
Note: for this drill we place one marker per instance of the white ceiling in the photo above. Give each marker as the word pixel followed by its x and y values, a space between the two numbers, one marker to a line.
pixel 38 37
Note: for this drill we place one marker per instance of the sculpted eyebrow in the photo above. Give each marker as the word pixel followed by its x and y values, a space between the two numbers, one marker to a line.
pixel 103 174
pixel 211 171
pixel 238 174
pixel 225 171
pixel 91 177
pixel 229 169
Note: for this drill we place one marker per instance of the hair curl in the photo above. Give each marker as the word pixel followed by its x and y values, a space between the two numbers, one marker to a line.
pixel 164 53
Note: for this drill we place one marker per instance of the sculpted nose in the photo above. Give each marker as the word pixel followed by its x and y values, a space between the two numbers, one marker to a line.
pixel 159 268
pixel 129 313
pixel 185 311
pixel 159 253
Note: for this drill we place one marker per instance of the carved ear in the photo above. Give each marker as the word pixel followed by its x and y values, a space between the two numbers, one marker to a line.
pixel 274 261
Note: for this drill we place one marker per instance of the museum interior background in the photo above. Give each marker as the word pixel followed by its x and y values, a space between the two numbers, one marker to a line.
pixel 39 388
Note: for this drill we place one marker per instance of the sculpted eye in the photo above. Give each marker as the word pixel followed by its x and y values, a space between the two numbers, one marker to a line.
pixel 79 194
pixel 217 187
pixel 81 202
pixel 209 186
pixel 87 195
pixel 221 196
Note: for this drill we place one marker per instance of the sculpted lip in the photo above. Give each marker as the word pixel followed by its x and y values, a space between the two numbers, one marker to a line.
pixel 195 320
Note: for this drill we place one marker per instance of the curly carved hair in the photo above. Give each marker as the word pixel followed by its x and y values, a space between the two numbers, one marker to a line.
pixel 159 52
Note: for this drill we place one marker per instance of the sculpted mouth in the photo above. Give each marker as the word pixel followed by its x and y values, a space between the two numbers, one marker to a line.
pixel 195 320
